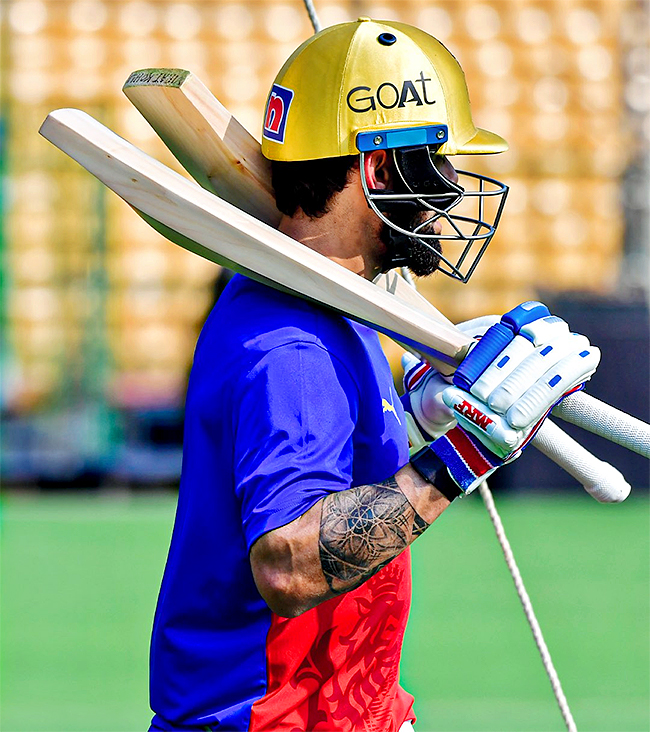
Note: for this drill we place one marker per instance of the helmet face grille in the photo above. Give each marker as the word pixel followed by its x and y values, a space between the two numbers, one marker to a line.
pixel 468 212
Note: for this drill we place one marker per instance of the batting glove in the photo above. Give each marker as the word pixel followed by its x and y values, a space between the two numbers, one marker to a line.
pixel 519 370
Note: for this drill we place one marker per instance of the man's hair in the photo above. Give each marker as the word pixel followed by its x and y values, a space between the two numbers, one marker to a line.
pixel 309 184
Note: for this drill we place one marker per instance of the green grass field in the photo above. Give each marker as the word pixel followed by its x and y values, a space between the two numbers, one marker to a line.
pixel 80 577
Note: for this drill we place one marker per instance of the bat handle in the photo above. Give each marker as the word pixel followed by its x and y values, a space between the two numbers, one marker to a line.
pixel 600 479
pixel 602 419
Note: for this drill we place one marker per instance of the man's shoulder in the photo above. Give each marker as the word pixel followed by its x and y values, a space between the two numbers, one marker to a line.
pixel 253 317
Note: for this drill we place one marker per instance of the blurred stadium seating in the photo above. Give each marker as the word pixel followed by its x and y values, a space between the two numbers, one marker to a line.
pixel 100 314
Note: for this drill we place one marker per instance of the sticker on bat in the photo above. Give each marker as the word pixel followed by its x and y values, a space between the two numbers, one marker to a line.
pixel 277 111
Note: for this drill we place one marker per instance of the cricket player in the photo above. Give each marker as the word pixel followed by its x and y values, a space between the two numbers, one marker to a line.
pixel 287 587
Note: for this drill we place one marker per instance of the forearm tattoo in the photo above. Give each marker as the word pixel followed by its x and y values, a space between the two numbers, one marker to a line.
pixel 362 529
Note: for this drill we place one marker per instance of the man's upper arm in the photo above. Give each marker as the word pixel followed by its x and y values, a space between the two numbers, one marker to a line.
pixel 286 565
pixel 293 429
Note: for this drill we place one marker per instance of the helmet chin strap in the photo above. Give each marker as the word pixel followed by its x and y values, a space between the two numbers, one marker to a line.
pixel 398 246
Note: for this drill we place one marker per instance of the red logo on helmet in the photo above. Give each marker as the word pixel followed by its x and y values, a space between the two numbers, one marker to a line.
pixel 277 111
pixel 274 114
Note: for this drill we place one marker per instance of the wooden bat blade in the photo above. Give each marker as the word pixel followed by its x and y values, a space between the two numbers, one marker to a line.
pixel 214 148
pixel 198 220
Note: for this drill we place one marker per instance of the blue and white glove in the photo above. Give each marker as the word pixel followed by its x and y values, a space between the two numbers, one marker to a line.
pixel 512 378
pixel 427 415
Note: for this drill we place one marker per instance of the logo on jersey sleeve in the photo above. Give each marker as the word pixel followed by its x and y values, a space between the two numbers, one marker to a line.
pixel 389 406
pixel 277 111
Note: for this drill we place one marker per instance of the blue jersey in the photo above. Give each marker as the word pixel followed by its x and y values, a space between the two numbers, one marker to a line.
pixel 287 403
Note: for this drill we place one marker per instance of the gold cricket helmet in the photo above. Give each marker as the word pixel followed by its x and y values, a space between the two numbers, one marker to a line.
pixel 378 85
pixel 370 76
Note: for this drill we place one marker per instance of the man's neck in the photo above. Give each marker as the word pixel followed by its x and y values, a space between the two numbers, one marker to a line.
pixel 335 237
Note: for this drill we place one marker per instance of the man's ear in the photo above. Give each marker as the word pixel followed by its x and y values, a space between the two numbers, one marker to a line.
pixel 377 169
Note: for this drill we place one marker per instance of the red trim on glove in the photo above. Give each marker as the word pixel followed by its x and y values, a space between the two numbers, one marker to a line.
pixel 468 451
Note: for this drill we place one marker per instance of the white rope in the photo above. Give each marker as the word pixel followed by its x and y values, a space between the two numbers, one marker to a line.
pixel 311 12
pixel 527 605
pixel 524 598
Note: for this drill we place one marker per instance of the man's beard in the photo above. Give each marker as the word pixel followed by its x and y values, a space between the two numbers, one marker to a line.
pixel 422 257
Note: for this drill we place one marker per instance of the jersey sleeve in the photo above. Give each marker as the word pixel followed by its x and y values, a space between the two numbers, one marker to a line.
pixel 293 435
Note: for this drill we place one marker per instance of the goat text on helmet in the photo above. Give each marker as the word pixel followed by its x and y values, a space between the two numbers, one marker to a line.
pixel 388 95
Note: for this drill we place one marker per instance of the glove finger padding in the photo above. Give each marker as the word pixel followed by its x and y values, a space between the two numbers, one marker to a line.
pixel 476 327
pixel 533 368
pixel 559 380
pixel 516 374
pixel 509 359
pixel 526 348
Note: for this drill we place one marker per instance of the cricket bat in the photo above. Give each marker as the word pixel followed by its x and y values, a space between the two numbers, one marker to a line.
pixel 206 225
pixel 180 108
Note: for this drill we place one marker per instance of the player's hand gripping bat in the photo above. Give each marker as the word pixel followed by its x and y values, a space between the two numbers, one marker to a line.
pixel 209 226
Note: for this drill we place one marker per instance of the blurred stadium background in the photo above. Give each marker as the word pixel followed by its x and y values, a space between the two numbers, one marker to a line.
pixel 100 314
